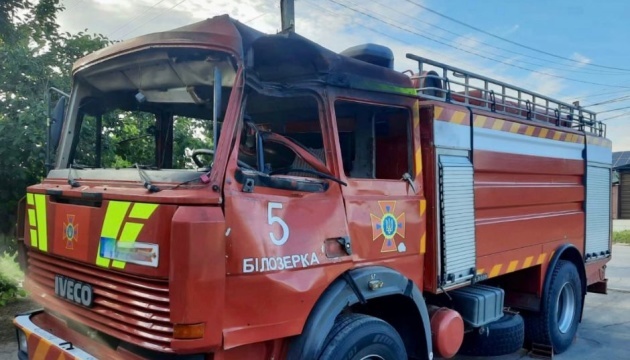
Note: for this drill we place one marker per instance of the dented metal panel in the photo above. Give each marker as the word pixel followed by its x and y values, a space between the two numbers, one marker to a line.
pixel 458 218
pixel 597 211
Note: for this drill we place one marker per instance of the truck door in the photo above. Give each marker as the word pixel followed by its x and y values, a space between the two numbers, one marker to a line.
pixel 284 221
pixel 382 166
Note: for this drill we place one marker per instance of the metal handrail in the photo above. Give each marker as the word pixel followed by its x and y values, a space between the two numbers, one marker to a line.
pixel 526 104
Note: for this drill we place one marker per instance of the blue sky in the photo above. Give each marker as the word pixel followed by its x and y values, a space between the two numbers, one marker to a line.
pixel 588 32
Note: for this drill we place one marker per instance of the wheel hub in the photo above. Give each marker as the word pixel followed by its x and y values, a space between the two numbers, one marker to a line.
pixel 566 307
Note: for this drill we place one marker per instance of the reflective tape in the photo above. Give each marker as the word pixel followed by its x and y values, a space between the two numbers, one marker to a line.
pixel 42 225
pixel 34 237
pixel 114 221
pixel 45 345
pixel 114 217
pixel 32 221
pixel 142 211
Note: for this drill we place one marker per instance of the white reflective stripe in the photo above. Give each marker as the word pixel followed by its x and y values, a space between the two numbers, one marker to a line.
pixel 24 322
pixel 502 141
pixel 598 154
pixel 451 135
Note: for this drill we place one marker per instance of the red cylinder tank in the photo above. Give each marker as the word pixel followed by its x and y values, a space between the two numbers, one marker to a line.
pixel 447 331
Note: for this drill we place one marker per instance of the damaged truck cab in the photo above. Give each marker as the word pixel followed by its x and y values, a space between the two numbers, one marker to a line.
pixel 329 207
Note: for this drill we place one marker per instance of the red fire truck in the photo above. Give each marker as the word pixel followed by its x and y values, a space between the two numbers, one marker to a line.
pixel 339 209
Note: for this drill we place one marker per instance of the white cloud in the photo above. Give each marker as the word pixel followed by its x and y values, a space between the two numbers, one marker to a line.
pixel 512 30
pixel 582 60
pixel 338 28
pixel 542 84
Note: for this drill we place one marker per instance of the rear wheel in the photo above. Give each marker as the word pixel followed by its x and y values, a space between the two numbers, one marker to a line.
pixel 362 337
pixel 556 324
pixel 501 337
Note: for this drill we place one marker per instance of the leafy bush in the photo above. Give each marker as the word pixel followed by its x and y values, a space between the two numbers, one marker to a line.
pixel 622 237
pixel 10 278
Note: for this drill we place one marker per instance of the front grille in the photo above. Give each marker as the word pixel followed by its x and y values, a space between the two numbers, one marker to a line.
pixel 132 309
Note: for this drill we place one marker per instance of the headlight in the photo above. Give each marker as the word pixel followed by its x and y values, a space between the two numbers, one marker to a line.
pixel 22 343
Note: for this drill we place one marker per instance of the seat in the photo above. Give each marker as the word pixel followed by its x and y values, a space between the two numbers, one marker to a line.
pixel 299 163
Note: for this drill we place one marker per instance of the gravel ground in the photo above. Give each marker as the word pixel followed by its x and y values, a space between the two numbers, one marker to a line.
pixel 8 347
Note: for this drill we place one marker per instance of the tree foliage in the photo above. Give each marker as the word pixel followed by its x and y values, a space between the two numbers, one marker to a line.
pixel 34 56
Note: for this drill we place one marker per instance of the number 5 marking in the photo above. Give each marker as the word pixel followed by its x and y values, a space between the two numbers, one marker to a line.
pixel 274 219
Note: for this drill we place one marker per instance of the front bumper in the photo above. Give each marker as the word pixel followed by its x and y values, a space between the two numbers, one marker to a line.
pixel 44 345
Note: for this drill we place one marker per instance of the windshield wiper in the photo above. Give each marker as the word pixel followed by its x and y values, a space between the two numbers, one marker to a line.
pixel 147 181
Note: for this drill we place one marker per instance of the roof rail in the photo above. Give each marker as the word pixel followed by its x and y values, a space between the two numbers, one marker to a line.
pixel 482 92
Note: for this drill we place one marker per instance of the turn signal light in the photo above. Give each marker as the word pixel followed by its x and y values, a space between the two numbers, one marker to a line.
pixel 188 331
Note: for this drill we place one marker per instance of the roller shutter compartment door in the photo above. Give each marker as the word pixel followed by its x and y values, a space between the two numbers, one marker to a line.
pixel 597 211
pixel 457 221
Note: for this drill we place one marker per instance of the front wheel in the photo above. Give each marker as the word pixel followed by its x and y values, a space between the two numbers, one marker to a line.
pixel 362 337
pixel 557 323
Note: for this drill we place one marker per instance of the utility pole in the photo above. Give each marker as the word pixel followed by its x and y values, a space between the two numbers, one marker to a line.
pixel 287 13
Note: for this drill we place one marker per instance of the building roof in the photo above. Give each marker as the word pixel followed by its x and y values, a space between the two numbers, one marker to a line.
pixel 620 159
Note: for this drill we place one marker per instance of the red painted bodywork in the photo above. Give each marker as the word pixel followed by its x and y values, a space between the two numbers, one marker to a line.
pixel 209 234
pixel 447 330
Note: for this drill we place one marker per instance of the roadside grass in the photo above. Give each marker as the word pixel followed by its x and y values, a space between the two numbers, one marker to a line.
pixel 9 268
pixel 621 237
pixel 10 279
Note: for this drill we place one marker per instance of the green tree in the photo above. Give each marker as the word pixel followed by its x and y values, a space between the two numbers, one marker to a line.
pixel 34 56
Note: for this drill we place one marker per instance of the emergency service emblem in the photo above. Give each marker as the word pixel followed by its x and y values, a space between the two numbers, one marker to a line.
pixel 70 232
pixel 387 225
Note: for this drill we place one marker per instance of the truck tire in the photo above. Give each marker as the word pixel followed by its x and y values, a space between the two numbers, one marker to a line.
pixel 556 324
pixel 500 337
pixel 358 336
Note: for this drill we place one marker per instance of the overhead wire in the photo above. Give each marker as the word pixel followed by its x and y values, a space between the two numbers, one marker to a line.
pixel 135 18
pixel 416 19
pixel 611 110
pixel 153 18
pixel 598 94
pixel 470 52
pixel 611 101
pixel 318 5
pixel 255 18
pixel 627 113
pixel 508 40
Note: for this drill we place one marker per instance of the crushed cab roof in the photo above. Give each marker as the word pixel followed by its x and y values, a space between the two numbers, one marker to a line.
pixel 283 57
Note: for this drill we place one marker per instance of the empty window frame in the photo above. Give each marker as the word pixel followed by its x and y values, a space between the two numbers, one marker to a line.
pixel 375 140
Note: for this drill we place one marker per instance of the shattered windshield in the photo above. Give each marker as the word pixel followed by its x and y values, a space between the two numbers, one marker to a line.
pixel 152 110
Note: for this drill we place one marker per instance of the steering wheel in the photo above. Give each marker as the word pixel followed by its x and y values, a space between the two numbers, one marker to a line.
pixel 200 164
pixel 198 152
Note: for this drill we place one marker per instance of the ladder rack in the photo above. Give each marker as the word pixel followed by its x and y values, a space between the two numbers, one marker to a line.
pixel 481 92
